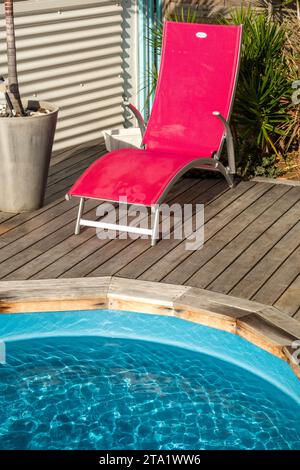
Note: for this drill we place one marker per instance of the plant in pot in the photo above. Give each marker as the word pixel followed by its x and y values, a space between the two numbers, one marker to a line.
pixel 27 131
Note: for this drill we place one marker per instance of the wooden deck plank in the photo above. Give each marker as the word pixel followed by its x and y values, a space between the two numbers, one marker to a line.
pixel 251 232
pixel 238 235
pixel 217 215
pixel 70 152
pixel 39 241
pixel 229 280
pixel 93 260
pixel 61 187
pixel 147 258
pixel 221 249
pixel 21 218
pixel 289 301
pixel 133 248
pixel 64 241
pixel 25 226
pixel 81 260
pixel 267 266
pixel 69 252
pixel 4 217
pixel 68 167
pixel 94 255
pixel 12 222
pixel 70 172
pixel 280 280
pixel 73 156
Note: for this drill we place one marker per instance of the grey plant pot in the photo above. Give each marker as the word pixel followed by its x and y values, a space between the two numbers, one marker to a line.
pixel 25 152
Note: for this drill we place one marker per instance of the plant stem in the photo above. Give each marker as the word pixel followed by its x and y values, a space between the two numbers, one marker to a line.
pixel 13 86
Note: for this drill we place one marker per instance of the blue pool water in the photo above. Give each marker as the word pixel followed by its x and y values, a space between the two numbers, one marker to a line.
pixel 97 380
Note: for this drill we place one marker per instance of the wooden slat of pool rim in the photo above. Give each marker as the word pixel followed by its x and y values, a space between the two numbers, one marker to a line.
pixel 264 326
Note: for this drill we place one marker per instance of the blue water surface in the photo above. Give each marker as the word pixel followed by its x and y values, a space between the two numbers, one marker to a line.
pixel 97 380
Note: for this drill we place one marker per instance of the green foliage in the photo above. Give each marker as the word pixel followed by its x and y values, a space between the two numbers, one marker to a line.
pixel 260 112
pixel 256 164
pixel 263 116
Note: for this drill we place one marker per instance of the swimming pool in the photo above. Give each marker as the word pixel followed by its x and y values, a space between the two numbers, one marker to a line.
pixel 120 380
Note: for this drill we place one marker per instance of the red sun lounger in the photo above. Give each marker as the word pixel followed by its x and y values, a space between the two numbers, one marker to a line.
pixel 187 127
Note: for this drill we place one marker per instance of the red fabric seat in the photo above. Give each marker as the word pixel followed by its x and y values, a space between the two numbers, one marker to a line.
pixel 197 77
pixel 140 176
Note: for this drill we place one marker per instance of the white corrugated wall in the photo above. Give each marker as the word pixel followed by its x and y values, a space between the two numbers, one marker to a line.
pixel 70 52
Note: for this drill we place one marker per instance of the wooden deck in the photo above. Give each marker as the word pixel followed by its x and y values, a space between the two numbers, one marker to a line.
pixel 252 239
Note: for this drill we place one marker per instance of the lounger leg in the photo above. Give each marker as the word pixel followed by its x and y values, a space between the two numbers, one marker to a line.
pixel 230 180
pixel 80 211
pixel 226 173
pixel 155 227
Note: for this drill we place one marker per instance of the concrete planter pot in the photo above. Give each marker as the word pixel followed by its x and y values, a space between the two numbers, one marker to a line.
pixel 122 138
pixel 25 152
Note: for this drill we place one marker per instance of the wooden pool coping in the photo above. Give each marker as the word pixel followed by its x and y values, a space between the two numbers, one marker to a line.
pixel 262 325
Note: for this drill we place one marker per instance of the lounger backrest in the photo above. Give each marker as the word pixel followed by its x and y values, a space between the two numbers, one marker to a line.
pixel 198 72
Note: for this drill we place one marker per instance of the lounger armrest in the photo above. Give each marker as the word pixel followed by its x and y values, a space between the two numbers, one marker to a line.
pixel 229 142
pixel 138 116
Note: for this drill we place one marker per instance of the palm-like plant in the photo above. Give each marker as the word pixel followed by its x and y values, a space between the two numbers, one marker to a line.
pixel 260 110
pixel 13 86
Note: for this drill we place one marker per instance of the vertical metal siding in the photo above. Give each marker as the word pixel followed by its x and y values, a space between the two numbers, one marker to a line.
pixel 70 53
